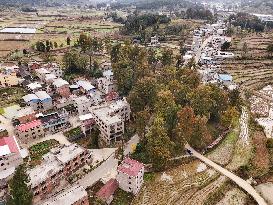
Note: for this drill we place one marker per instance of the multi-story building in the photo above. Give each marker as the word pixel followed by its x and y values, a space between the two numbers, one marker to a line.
pixel 25 115
pixel 87 123
pixel 107 191
pixel 8 77
pixel 106 84
pixel 39 101
pixel 75 195
pixel 11 156
pixel 85 86
pixel 109 123
pixel 130 175
pixel 30 131
pixel 83 104
pixel 58 164
pixel 54 122
pixel 105 66
pixel 41 73
pixel 55 69
pixel 62 87
pixel 122 108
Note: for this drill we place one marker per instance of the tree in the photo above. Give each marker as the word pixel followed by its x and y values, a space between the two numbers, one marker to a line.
pixel 226 45
pixel 229 117
pixel 165 105
pixel 159 146
pixel 244 50
pixel 141 121
pixel 270 49
pixel 25 51
pixel 55 45
pixel 201 136
pixel 83 42
pixel 201 101
pixel 185 125
pixel 20 192
pixel 40 46
pixel 74 62
pixel 143 94
pixel 68 41
pixel 123 74
pixel 167 57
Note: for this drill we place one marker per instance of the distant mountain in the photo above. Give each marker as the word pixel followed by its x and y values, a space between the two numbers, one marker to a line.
pixel 48 2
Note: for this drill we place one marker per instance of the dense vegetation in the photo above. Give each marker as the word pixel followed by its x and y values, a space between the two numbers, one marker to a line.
pixel 137 23
pixel 171 101
pixel 247 21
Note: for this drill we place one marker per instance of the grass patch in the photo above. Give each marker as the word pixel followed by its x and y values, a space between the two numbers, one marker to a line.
pixel 2 112
pixel 217 195
pixel 149 177
pixel 122 198
pixel 40 149
pixel 11 95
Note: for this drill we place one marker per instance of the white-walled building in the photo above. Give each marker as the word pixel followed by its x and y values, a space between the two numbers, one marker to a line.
pixel 83 104
pixel 130 175
pixel 110 119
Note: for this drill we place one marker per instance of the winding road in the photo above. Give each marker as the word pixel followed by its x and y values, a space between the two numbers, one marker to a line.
pixel 239 181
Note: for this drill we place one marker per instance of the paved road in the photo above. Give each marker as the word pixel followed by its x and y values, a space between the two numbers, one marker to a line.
pixel 244 134
pixel 7 124
pixel 199 52
pixel 105 170
pixel 58 136
pixel 130 144
pixel 239 181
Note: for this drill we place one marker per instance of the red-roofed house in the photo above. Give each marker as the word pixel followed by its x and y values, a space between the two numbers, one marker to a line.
pixel 107 191
pixel 30 131
pixel 10 157
pixel 130 175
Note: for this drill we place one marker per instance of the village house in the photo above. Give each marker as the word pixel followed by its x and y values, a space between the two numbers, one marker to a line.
pixel 107 191
pixel 39 101
pixel 41 73
pixel 32 66
pixel 25 115
pixel 55 69
pixel 54 122
pixel 87 123
pixel 62 87
pixel 130 175
pixel 105 66
pixel 34 87
pixel 110 119
pixel 49 78
pixel 8 77
pixel 82 104
pixel 58 164
pixel 122 108
pixel 30 131
pixel 11 156
pixel 109 123
pixel 85 86
pixel 106 83
pixel 75 195
pixel 154 41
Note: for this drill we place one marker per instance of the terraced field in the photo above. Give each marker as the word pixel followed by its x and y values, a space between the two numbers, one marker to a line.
pixel 257 69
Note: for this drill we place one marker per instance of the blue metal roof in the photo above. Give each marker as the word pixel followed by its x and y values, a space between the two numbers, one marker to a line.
pixel 225 77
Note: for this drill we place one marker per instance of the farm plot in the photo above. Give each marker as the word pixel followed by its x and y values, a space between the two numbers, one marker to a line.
pixel 256 70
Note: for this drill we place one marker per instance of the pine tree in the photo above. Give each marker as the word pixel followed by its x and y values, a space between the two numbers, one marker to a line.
pixel 20 193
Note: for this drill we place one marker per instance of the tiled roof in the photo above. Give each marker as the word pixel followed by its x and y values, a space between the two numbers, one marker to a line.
pixel 8 145
pixel 130 167
pixel 108 189
pixel 27 126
